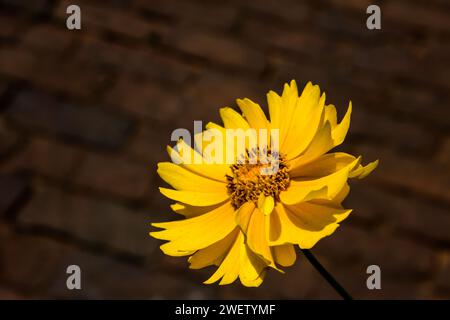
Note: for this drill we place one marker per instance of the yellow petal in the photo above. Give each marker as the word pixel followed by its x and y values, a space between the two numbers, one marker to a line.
pixel 300 193
pixel 240 262
pixel 201 141
pixel 336 202
pixel 256 119
pixel 328 136
pixel 332 162
pixel 322 188
pixel 193 198
pixel 243 215
pixel 364 171
pixel 315 217
pixel 191 211
pixel 233 141
pixel 289 100
pixel 229 148
pixel 340 131
pixel 252 268
pixel 196 233
pixel 206 169
pixel 213 254
pixel 275 109
pixel 331 115
pixel 256 237
pixel 284 255
pixel 304 123
pixel 321 143
pixel 229 268
pixel 183 179
pixel 253 113
pixel 304 225
pixel 265 204
pixel 233 120
pixel 323 166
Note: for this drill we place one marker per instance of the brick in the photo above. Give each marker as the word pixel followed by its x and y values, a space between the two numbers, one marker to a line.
pixel 304 41
pixel 117 176
pixel 12 188
pixel 31 6
pixel 406 103
pixel 188 14
pixel 436 49
pixel 217 48
pixel 16 62
pixel 356 5
pixel 37 265
pixel 92 220
pixel 48 40
pixel 43 72
pixel 423 104
pixel 382 59
pixel 144 99
pixel 148 139
pixel 6 294
pixel 341 82
pixel 104 278
pixel 312 41
pixel 213 91
pixel 82 123
pixel 26 263
pixel 301 281
pixel 443 156
pixel 368 202
pixel 416 15
pixel 354 278
pixel 141 62
pixel 401 211
pixel 372 57
pixel 111 19
pixel 147 149
pixel 370 54
pixel 347 260
pixel 303 72
pixel 396 133
pixel 3 88
pixel 8 137
pixel 405 266
pixel 394 255
pixel 49 158
pixel 408 173
pixel 290 11
pixel 441 278
pixel 10 27
pixel 339 22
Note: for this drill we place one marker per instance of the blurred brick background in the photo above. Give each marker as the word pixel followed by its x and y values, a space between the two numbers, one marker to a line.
pixel 86 115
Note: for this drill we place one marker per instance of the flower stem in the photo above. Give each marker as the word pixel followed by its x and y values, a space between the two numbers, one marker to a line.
pixel 324 273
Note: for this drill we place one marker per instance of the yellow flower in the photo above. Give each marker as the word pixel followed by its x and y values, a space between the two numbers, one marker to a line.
pixel 246 221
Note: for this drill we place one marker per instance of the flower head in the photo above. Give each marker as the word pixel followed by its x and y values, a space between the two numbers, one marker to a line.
pixel 245 214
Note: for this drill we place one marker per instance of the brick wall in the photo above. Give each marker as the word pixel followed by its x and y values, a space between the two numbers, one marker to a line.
pixel 86 115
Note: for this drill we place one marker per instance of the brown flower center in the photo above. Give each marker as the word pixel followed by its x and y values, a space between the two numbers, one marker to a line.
pixel 256 174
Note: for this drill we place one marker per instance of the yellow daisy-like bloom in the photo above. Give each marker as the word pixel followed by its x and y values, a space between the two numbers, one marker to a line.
pixel 244 221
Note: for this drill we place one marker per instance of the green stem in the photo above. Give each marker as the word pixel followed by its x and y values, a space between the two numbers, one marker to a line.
pixel 326 275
